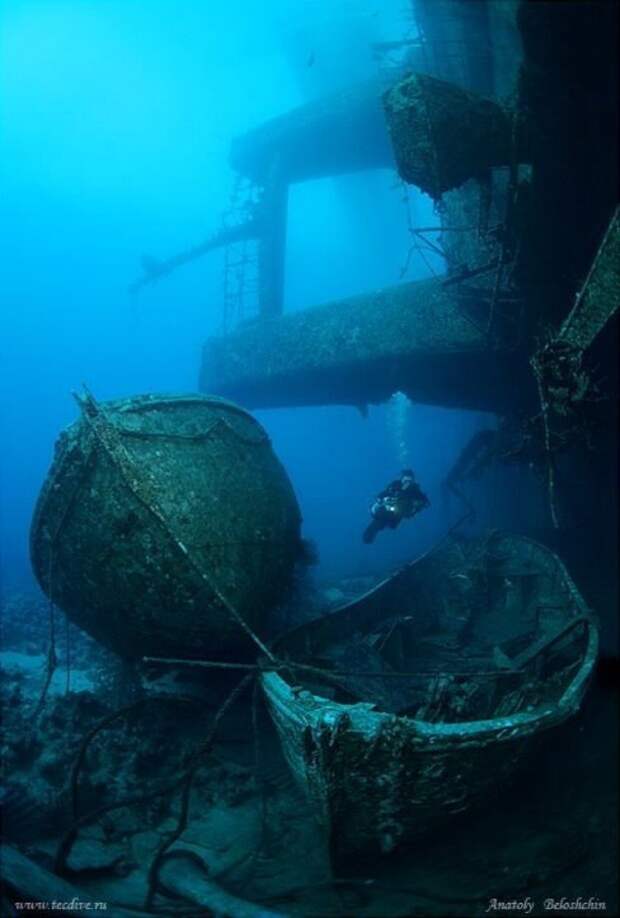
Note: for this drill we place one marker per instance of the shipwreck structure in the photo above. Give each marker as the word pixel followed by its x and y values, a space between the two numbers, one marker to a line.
pixel 445 130
pixel 413 338
pixel 142 541
pixel 462 118
pixel 486 111
pixel 424 694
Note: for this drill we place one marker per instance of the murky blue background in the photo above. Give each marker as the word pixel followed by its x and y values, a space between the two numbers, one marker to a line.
pixel 117 120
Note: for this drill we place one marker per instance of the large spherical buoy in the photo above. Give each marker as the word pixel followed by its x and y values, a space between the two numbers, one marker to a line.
pixel 165 520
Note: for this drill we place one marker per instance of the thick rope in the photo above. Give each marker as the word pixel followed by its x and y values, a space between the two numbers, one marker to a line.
pixel 186 784
pixel 86 741
pixel 194 438
pixel 68 655
pixel 70 836
pixel 279 665
pixel 544 407
pixel 52 659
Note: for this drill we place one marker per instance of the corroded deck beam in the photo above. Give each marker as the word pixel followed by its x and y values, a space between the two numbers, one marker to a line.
pixel 414 338
pixel 339 133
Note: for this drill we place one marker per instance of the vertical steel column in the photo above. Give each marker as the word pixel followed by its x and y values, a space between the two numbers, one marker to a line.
pixel 272 243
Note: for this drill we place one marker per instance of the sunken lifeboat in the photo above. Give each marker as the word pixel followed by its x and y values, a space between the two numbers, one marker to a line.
pixel 411 704
pixel 164 524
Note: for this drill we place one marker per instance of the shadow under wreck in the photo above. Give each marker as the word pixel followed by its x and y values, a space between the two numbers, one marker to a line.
pixel 424 695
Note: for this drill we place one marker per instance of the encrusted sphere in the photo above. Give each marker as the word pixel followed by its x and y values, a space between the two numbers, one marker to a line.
pixel 162 517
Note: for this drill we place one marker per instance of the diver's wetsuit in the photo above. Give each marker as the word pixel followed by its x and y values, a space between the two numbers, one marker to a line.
pixel 395 503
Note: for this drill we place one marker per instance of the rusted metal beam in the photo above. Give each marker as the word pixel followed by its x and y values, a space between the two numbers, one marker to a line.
pixel 272 242
pixel 339 133
pixel 155 270
pixel 416 338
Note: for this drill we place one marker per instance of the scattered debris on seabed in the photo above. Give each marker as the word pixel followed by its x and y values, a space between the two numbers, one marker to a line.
pixel 92 791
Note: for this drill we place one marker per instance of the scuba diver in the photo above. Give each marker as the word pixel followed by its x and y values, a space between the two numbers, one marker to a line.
pixel 402 499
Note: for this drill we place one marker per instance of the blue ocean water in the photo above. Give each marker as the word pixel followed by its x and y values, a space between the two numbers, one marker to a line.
pixel 117 122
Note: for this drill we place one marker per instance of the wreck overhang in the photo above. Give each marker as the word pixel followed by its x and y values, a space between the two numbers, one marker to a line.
pixel 416 338
pixel 339 133
pixel 436 134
